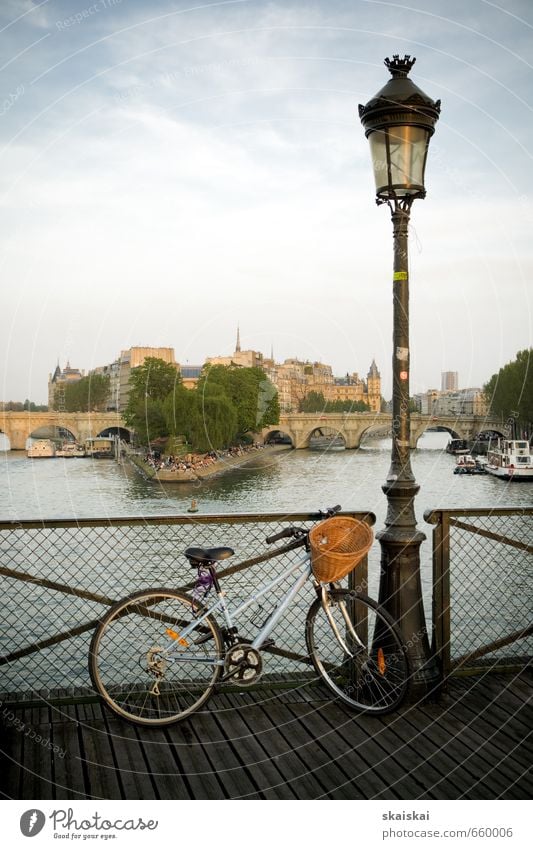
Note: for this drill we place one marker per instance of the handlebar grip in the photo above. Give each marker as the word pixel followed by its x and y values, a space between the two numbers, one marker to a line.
pixel 286 532
pixel 332 510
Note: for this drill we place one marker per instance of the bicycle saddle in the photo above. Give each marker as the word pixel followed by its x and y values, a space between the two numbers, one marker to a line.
pixel 208 555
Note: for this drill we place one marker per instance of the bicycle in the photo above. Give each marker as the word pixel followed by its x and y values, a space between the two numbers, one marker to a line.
pixel 157 655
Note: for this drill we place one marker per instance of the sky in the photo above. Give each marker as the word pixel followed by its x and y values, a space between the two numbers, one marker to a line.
pixel 170 170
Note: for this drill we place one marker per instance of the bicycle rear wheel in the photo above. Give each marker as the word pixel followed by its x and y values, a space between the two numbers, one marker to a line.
pixel 358 652
pixel 142 667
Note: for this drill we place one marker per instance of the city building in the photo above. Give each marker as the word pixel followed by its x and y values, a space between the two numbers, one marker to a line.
pixel 449 381
pixel 463 402
pixel 294 379
pixel 120 370
pixel 57 381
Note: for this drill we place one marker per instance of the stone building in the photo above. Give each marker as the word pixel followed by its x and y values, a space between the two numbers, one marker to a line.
pixel 57 381
pixel 120 370
pixel 294 379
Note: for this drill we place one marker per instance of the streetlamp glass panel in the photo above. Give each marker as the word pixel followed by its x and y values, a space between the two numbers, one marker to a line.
pixel 399 158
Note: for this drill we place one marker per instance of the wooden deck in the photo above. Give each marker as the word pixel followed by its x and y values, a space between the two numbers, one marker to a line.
pixel 475 743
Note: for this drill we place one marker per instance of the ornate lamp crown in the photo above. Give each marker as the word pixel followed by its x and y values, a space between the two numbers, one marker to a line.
pixel 399 67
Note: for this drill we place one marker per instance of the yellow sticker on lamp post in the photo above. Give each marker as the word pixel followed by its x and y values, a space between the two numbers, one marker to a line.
pixel 399 275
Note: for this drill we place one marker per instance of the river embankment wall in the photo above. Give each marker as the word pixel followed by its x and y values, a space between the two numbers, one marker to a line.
pixel 225 463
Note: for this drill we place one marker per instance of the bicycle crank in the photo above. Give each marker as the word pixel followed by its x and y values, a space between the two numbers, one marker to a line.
pixel 242 665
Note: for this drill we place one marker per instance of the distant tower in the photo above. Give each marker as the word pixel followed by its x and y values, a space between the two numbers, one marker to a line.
pixel 238 345
pixel 449 381
pixel 373 382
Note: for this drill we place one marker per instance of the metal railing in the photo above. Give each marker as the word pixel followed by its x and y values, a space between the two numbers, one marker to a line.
pixel 482 587
pixel 58 577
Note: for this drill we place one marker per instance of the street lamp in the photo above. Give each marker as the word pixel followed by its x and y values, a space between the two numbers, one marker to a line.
pixel 398 122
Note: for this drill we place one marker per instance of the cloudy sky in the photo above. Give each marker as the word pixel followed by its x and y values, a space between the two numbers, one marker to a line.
pixel 171 169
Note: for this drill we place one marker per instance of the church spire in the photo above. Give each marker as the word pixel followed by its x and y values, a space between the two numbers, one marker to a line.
pixel 238 345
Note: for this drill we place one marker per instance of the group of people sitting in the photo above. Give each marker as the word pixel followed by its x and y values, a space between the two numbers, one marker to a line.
pixel 192 462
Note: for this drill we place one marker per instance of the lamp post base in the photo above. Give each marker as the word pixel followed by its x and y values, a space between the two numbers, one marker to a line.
pixel 400 591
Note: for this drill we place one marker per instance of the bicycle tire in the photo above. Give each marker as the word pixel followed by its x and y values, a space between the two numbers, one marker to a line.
pixel 371 677
pixel 128 657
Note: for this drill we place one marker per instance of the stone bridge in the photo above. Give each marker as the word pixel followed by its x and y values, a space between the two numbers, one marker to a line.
pixel 20 425
pixel 352 427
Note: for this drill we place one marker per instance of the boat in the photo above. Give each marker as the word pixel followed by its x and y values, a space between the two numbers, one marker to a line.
pixel 468 465
pixel 100 447
pixel 41 448
pixel 510 460
pixel 70 449
pixel 457 446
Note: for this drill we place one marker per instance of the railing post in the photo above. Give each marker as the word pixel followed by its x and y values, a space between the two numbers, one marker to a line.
pixel 441 591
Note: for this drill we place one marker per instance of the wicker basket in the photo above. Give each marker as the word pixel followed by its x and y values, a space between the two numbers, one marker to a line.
pixel 337 546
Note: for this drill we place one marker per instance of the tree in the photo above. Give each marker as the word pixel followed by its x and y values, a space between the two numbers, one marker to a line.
pixel 150 385
pixel 315 402
pixel 88 393
pixel 510 392
pixel 250 392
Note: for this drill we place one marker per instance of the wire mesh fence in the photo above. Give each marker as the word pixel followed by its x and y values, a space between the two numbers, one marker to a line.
pixel 483 585
pixel 57 578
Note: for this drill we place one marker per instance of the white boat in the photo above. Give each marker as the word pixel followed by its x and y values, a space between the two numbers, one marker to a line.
pixel 468 465
pixel 511 460
pixel 41 448
pixel 70 449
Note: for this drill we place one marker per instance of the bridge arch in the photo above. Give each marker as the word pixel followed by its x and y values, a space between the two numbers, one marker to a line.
pixel 324 438
pixel 281 436
pixel 56 432
pixel 115 430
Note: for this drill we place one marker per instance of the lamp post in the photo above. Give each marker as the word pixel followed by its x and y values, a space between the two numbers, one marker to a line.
pixel 398 123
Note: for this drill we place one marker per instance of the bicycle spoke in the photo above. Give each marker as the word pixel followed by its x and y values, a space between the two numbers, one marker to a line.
pixel 357 651
pixel 138 666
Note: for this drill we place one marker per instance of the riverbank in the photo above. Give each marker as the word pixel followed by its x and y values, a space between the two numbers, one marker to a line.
pixel 206 468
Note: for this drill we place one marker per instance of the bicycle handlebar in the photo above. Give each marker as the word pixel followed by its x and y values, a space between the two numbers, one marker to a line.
pixel 302 532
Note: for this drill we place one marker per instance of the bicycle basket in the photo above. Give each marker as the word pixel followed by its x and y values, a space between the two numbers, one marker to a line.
pixel 337 546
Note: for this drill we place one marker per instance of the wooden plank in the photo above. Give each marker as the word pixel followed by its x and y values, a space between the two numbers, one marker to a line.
pixel 37 774
pixel 427 771
pixel 387 757
pixel 169 780
pixel 192 761
pixel 261 764
pixel 98 755
pixel 12 756
pixel 224 757
pixel 135 777
pixel 282 737
pixel 317 750
pixel 70 776
pixel 465 768
pixel 495 769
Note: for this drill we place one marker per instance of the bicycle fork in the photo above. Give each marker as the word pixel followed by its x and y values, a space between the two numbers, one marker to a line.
pixel 324 601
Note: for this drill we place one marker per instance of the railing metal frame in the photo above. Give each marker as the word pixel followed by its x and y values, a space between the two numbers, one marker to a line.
pixel 444 520
pixel 357 579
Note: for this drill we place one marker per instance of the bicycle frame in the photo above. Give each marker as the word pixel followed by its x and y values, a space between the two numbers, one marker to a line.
pixel 304 568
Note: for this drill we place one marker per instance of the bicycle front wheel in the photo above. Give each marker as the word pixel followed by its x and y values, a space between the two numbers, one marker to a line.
pixel 358 651
pixel 142 666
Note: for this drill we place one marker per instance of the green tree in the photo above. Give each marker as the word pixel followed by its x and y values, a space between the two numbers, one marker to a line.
pixel 315 402
pixel 150 385
pixel 88 393
pixel 214 426
pixel 510 392
pixel 250 392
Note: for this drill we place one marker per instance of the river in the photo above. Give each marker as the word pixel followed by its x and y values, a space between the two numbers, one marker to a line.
pixel 286 481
